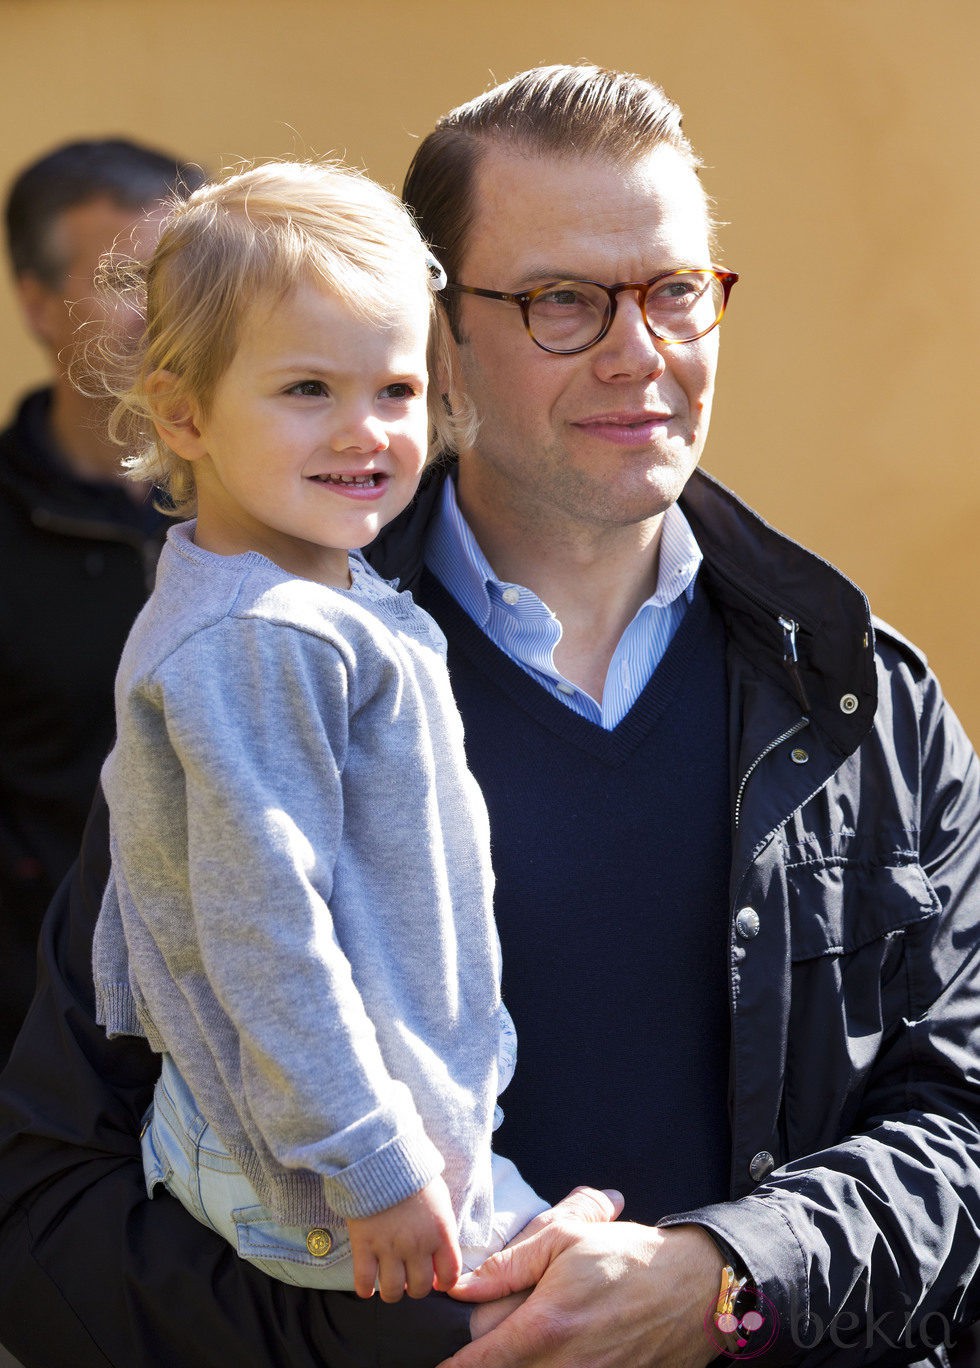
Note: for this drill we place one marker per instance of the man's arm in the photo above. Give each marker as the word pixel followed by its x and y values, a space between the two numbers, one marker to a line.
pixel 870 1247
pixel 93 1272
pixel 25 891
pixel 867 1250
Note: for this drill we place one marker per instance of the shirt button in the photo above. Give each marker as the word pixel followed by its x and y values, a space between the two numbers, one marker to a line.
pixel 319 1242
pixel 747 923
pixel 761 1165
pixel 565 688
pixel 511 596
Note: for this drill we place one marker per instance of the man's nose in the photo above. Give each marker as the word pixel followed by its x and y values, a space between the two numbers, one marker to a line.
pixel 629 349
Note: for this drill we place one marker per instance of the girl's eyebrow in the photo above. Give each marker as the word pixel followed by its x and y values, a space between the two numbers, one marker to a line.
pixel 291 365
pixel 319 370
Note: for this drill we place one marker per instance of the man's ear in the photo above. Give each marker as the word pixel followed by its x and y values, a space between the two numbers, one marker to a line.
pixel 458 432
pixel 175 415
pixel 43 308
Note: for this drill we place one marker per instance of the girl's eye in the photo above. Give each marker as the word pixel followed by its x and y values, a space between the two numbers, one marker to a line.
pixel 401 390
pixel 309 387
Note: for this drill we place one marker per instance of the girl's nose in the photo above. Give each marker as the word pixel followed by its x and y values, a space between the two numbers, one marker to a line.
pixel 363 433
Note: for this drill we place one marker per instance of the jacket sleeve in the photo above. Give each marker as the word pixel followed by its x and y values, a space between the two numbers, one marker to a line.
pixel 870 1249
pixel 97 1275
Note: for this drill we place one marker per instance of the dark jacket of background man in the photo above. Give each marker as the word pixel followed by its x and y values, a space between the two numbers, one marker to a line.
pixel 76 561
pixel 78 541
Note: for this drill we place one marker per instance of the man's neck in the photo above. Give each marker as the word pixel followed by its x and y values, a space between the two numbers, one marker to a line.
pixel 78 430
pixel 593 580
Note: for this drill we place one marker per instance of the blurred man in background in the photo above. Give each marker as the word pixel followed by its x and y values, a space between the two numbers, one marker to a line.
pixel 78 546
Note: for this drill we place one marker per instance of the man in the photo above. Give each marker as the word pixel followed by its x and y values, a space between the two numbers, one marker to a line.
pixel 735 834
pixel 77 543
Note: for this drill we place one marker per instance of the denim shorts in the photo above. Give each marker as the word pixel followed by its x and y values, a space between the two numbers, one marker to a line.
pixel 183 1152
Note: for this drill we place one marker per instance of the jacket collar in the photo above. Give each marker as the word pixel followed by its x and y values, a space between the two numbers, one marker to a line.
pixel 35 477
pixel 774 594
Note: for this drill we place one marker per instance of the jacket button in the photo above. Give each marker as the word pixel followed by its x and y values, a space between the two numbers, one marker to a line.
pixel 849 703
pixel 747 923
pixel 799 756
pixel 319 1242
pixel 761 1165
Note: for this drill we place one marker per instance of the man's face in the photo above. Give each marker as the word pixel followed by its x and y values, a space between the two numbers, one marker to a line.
pixel 78 238
pixel 609 437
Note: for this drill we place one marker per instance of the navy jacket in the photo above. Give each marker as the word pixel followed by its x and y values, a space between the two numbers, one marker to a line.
pixel 854 1092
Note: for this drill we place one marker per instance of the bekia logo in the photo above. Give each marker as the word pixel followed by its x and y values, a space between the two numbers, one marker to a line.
pixel 745 1335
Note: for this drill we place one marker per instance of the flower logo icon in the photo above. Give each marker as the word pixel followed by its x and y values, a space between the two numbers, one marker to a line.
pixel 745 1335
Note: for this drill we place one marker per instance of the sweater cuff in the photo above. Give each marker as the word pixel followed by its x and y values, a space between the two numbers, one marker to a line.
pixel 115 1010
pixel 402 1167
pixel 765 1249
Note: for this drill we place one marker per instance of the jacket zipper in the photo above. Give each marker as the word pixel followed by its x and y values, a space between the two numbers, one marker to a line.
pixel 803 722
pixel 791 660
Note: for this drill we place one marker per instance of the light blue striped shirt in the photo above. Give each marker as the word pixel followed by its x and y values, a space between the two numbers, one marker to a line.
pixel 527 631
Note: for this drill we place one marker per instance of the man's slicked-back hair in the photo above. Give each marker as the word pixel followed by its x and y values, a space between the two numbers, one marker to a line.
pixel 579 110
pixel 130 175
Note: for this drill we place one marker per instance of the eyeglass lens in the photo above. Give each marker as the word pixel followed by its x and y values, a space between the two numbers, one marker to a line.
pixel 572 313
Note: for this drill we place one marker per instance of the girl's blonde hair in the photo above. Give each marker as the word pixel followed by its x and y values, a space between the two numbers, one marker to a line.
pixel 257 232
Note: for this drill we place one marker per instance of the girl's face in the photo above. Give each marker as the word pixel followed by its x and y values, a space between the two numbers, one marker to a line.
pixel 317 431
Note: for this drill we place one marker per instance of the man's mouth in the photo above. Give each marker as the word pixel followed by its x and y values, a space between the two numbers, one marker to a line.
pixel 624 429
pixel 625 420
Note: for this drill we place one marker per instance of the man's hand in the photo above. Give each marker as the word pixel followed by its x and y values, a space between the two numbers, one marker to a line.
pixel 401 1248
pixel 607 1296
pixel 584 1205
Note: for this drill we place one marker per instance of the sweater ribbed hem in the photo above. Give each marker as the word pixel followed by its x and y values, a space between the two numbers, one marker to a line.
pixel 115 1009
pixel 301 1197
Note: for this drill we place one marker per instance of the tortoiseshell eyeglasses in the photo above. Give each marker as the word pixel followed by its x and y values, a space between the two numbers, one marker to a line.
pixel 568 316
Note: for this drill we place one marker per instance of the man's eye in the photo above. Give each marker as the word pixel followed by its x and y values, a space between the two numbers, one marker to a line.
pixel 681 290
pixel 562 297
pixel 315 388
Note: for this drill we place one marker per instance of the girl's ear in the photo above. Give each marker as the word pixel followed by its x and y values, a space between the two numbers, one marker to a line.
pixel 175 415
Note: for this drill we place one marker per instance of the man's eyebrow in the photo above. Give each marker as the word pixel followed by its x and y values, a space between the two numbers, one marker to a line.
pixel 544 275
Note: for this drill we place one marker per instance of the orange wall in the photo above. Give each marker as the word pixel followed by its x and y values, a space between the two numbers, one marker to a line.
pixel 841 140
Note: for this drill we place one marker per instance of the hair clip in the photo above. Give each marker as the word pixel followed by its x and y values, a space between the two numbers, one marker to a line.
pixel 438 280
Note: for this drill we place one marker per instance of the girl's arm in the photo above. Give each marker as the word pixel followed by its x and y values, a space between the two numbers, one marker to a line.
pixel 95 1273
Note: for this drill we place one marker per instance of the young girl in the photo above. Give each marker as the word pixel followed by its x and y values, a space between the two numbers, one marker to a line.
pixel 299 915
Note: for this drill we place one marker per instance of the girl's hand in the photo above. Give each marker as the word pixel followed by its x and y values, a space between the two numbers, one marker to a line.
pixel 410 1247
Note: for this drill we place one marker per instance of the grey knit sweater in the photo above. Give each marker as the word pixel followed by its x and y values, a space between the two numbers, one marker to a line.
pixel 300 904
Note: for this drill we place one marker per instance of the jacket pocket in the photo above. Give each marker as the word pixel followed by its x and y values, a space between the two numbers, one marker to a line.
pixel 838 904
pixel 853 926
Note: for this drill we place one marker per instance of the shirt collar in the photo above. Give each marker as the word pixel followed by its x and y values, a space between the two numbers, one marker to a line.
pixel 455 558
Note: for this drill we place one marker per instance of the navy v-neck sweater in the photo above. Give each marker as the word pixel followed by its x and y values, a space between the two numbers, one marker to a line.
pixel 611 851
